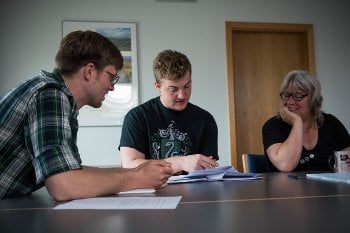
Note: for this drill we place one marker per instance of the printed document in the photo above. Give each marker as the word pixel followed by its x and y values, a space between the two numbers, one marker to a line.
pixel 224 173
pixel 343 177
pixel 121 203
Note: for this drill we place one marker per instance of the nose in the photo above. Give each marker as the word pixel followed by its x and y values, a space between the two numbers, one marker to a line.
pixel 290 100
pixel 182 94
pixel 111 87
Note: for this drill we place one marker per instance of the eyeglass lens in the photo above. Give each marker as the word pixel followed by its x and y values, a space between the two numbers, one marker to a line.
pixel 114 78
pixel 295 96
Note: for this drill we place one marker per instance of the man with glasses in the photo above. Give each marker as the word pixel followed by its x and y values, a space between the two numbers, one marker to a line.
pixel 302 137
pixel 38 127
pixel 169 127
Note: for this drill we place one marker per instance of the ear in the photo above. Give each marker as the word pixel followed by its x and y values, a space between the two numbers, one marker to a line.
pixel 89 71
pixel 157 85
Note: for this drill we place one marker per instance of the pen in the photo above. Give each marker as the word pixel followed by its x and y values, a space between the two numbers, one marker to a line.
pixel 294 177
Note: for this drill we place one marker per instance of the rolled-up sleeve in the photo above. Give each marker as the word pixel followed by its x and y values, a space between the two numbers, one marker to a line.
pixel 52 129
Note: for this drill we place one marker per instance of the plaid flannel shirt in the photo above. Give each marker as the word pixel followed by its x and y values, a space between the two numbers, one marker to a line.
pixel 38 132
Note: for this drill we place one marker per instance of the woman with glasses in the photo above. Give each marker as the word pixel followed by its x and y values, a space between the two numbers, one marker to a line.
pixel 301 137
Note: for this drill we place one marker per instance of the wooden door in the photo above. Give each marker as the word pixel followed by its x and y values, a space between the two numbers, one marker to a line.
pixel 259 55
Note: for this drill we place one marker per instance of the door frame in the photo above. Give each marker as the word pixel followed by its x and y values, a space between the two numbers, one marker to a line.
pixel 230 29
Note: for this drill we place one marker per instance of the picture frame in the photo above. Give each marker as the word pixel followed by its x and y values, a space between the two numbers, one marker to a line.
pixel 125 95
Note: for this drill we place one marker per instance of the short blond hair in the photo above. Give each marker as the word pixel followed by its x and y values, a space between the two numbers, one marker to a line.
pixel 171 65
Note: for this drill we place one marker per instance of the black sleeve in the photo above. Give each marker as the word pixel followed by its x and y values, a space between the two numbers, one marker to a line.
pixel 210 138
pixel 133 132
pixel 275 130
pixel 338 132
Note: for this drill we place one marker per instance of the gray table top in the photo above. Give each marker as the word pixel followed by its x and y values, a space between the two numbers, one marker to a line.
pixel 275 203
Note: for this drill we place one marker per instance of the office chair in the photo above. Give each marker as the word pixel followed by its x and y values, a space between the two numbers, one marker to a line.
pixel 254 163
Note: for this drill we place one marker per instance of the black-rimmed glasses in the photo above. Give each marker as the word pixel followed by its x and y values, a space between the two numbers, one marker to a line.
pixel 295 96
pixel 114 78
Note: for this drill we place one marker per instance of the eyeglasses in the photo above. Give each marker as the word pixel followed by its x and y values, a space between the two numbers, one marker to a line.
pixel 295 96
pixel 114 78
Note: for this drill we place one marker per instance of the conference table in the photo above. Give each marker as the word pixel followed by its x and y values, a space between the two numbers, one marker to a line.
pixel 274 203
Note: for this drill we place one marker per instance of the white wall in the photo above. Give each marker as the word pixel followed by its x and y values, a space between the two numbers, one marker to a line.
pixel 31 31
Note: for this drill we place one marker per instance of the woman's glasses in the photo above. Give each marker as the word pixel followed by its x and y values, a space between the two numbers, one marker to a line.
pixel 295 96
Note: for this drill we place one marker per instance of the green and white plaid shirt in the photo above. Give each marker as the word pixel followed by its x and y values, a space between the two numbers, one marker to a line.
pixel 38 133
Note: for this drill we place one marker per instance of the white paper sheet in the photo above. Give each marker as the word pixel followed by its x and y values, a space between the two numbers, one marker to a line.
pixel 138 191
pixel 343 177
pixel 226 173
pixel 122 203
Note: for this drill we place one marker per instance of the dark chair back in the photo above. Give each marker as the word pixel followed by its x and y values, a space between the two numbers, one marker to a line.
pixel 254 163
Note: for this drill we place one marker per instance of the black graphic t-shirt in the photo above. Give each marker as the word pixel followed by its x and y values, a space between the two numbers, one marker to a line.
pixel 159 132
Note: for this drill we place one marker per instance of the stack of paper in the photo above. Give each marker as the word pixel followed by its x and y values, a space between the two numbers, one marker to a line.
pixel 213 174
pixel 343 177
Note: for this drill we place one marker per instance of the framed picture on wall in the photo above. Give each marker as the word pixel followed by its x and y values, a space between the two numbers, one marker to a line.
pixel 125 95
